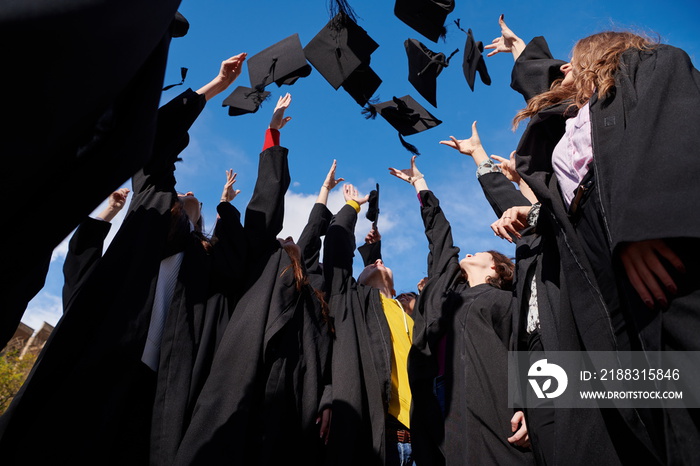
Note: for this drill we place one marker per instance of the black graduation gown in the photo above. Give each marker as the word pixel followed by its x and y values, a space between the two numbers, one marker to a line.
pixel 477 324
pixel 191 337
pixel 362 349
pixel 90 370
pixel 310 244
pixel 87 124
pixel 85 250
pixel 260 400
pixel 648 118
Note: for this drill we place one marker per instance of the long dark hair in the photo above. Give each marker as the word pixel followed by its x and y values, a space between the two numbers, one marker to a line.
pixel 301 279
pixel 178 216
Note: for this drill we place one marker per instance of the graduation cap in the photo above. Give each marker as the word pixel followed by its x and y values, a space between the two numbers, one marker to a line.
pixel 281 63
pixel 362 84
pixel 407 116
pixel 373 206
pixel 425 16
pixel 424 66
pixel 339 49
pixel 474 60
pixel 179 25
pixel 244 100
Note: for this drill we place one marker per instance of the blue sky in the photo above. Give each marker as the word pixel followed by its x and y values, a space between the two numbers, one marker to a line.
pixel 328 124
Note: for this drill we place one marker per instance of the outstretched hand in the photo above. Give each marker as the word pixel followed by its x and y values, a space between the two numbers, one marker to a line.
pixel 508 167
pixel 229 71
pixel 278 119
pixel 508 42
pixel 331 181
pixel 350 194
pixel 465 146
pixel 231 68
pixel 409 175
pixel 229 193
pixel 646 273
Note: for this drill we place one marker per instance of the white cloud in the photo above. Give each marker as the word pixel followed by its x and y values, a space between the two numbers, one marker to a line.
pixel 45 307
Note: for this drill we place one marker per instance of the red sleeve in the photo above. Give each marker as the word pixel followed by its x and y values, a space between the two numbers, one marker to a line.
pixel 272 138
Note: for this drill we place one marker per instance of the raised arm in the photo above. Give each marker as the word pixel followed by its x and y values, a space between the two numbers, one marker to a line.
pixel 498 189
pixel 174 121
pixel 508 42
pixel 437 228
pixel 317 225
pixel 339 245
pixel 507 167
pixel 86 246
pixel 265 212
pixel 535 69
pixel 328 184
pixel 229 247
pixel 229 71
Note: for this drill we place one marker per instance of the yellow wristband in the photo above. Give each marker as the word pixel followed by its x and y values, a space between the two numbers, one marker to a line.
pixel 354 205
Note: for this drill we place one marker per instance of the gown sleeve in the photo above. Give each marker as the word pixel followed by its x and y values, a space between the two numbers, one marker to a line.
pixel 535 69
pixel 84 252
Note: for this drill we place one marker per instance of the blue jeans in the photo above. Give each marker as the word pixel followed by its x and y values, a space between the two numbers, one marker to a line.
pixel 399 454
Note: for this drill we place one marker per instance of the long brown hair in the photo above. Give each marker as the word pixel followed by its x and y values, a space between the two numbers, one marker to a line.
pixel 505 269
pixel 301 279
pixel 177 213
pixel 594 59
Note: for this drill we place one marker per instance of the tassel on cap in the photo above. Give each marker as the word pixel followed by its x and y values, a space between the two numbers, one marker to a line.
pixel 183 74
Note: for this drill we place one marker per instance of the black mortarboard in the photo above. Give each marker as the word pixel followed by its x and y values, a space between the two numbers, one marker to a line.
pixel 362 84
pixel 424 66
pixel 425 16
pixel 373 206
pixel 244 100
pixel 281 63
pixel 474 60
pixel 407 116
pixel 339 49
pixel 179 25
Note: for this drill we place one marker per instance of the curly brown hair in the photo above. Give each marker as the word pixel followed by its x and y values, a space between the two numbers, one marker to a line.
pixel 594 59
pixel 505 269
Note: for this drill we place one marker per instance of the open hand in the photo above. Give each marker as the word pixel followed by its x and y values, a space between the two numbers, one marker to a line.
pixel 278 119
pixel 508 42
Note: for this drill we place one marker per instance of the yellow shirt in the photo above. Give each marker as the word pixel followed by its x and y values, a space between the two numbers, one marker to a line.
pixel 401 327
